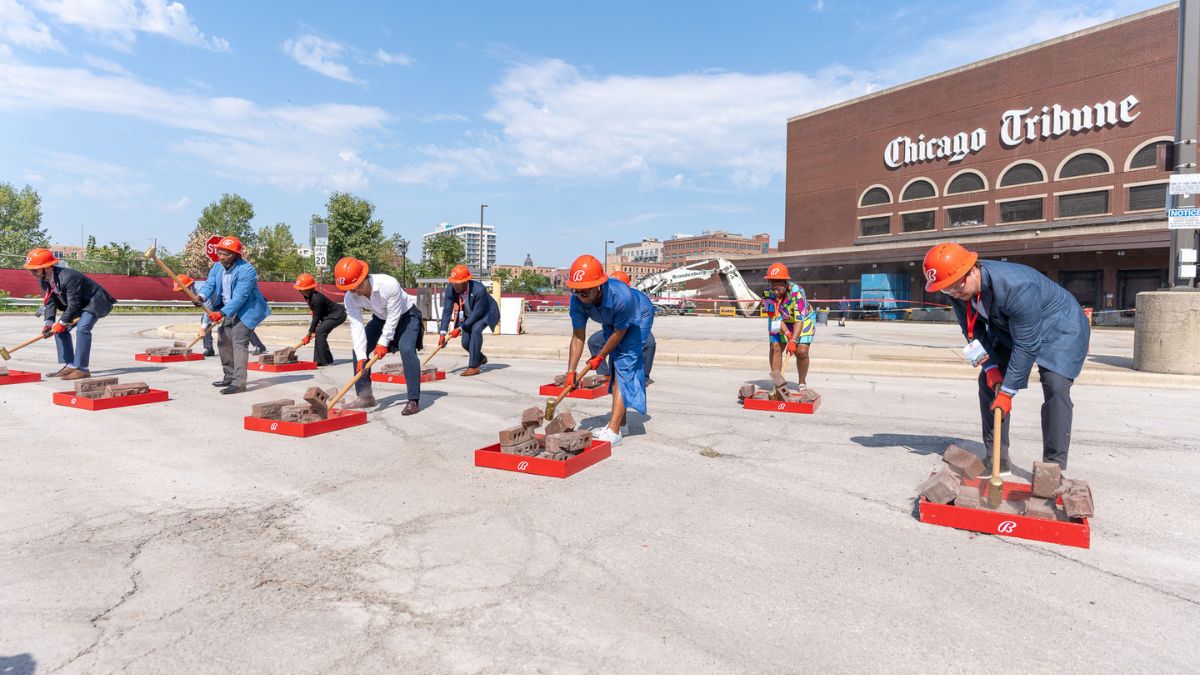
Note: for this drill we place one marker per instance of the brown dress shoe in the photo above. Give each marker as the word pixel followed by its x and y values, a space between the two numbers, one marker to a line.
pixel 361 402
pixel 411 408
pixel 469 372
pixel 60 372
pixel 76 374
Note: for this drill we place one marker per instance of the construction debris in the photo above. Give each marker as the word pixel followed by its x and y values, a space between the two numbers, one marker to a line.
pixel 560 441
pixel 751 390
pixel 279 358
pixel 1048 486
pixel 962 461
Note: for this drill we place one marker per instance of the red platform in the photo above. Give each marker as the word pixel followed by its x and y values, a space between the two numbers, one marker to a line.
pixel 70 400
pixel 782 406
pixel 338 419
pixel 555 390
pixel 491 457
pixel 388 378
pixel 285 368
pixel 169 359
pixel 20 377
pixel 1074 532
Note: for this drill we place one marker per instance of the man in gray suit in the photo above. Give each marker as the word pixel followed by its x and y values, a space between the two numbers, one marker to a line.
pixel 1013 317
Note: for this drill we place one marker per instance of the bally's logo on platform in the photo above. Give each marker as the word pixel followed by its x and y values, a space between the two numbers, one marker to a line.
pixel 522 466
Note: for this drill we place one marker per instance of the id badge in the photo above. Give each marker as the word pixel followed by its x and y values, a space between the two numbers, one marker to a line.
pixel 975 353
pixel 776 324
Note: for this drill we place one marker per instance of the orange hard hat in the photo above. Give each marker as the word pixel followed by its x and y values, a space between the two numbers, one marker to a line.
pixel 305 282
pixel 183 281
pixel 39 258
pixel 231 244
pixel 621 276
pixel 945 264
pixel 777 271
pixel 460 273
pixel 586 272
pixel 349 273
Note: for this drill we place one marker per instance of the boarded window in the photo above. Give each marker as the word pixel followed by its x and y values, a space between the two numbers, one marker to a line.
pixel 967 182
pixel 1083 204
pixel 1147 156
pixel 917 222
pixel 875 196
pixel 965 216
pixel 1145 197
pixel 1022 174
pixel 918 190
pixel 875 226
pixel 1084 165
pixel 1022 209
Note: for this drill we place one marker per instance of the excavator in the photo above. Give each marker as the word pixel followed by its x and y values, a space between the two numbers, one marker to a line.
pixel 736 287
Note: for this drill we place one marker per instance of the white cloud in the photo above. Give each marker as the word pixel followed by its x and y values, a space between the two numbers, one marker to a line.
pixel 77 175
pixel 397 59
pixel 119 21
pixel 319 55
pixel 294 147
pixel 176 206
pixel 20 27
pixel 106 65
pixel 818 6
pixel 444 117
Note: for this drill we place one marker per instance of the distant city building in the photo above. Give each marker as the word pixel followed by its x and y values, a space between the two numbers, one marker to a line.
pixel 715 244
pixel 647 250
pixel 528 266
pixel 636 270
pixel 68 251
pixel 471 235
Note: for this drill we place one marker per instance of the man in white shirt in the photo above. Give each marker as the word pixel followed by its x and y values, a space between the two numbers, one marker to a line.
pixel 395 326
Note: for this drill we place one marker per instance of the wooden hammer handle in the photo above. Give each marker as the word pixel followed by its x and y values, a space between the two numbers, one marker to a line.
pixel 370 362
pixel 186 290
pixel 38 338
pixel 571 387
pixel 439 347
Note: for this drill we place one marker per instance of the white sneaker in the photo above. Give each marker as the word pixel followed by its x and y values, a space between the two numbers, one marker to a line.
pixel 608 436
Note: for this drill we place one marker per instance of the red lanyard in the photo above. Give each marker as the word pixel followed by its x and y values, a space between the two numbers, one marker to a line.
pixel 972 315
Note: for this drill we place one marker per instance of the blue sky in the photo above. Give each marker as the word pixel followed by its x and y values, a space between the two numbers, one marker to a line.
pixel 575 122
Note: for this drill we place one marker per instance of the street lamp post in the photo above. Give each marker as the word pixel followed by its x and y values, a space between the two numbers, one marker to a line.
pixel 402 246
pixel 606 243
pixel 482 247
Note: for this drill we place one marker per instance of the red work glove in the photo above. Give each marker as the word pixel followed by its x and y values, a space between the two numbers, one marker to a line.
pixel 442 340
pixel 379 352
pixel 359 365
pixel 46 331
pixel 791 347
pixel 58 328
pixel 994 378
pixel 570 379
pixel 1003 402
pixel 456 332
pixel 215 316
pixel 594 363
pixel 307 339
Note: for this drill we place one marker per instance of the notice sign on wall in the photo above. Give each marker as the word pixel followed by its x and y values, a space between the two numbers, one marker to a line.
pixel 1183 219
pixel 1185 184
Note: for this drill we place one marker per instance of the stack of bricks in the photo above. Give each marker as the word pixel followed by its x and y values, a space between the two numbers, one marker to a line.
pixel 178 349
pixel 561 439
pixel 588 381
pixel 395 368
pixel 314 407
pixel 107 387
pixel 278 358
pixel 751 390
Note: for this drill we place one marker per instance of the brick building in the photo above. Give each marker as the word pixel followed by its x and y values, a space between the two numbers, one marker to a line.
pixel 678 250
pixel 637 270
pixel 1043 156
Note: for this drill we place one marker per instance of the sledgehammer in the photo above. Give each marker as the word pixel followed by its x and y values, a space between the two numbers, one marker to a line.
pixel 152 252
pixel 6 354
pixel 552 403
pixel 996 485
pixel 333 401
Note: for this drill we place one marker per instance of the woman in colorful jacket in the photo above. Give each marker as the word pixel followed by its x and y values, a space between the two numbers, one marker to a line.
pixel 792 321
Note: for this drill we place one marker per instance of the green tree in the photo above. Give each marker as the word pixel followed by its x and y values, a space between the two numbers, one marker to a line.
pixel 353 232
pixel 115 258
pixel 20 222
pixel 229 215
pixel 276 253
pixel 441 253
pixel 505 277
pixel 529 282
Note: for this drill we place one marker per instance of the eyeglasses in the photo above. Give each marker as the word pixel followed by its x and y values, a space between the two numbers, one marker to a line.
pixel 949 290
pixel 584 291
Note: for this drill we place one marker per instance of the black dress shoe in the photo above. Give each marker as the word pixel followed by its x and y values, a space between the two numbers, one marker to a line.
pixel 233 390
pixel 222 383
pixel 411 408
pixel 209 352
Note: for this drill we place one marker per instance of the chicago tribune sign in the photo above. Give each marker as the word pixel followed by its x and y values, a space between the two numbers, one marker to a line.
pixel 1016 127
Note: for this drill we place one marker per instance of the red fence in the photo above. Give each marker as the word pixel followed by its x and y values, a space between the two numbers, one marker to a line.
pixel 20 283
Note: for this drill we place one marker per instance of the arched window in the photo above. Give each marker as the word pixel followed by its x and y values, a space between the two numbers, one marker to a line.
pixel 1020 174
pixel 918 189
pixel 874 196
pixel 968 181
pixel 1084 164
pixel 1147 156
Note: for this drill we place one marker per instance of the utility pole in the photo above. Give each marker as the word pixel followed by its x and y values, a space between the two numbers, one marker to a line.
pixel 1183 241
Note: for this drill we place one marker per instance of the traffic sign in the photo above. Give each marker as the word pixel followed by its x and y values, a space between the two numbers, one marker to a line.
pixel 210 249
pixel 320 254
pixel 1183 219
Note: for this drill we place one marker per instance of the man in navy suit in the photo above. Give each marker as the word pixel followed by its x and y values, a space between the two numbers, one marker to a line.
pixel 77 296
pixel 1017 317
pixel 477 310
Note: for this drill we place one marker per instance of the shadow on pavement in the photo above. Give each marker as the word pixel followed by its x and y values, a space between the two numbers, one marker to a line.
pixel 919 444
pixel 112 372
pixel 21 664
pixel 428 396
pixel 256 384
pixel 1112 360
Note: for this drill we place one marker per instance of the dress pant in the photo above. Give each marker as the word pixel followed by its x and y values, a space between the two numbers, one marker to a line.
pixel 233 344
pixel 472 341
pixel 408 331
pixel 596 342
pixel 1057 415
pixel 79 354
pixel 321 352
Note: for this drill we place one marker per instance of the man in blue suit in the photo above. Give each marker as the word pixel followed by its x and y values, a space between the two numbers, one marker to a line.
pixel 77 296
pixel 235 303
pixel 476 309
pixel 1013 317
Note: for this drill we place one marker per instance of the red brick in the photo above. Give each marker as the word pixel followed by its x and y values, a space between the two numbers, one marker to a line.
pixel 270 410
pixel 563 421
pixel 557 456
pixel 569 441
pixel 747 390
pixel 429 372
pixel 940 488
pixel 515 435
pixel 560 380
pixel 131 389
pixel 392 368
pixel 967 496
pixel 531 417
pixel 158 351
pixel 296 413
pixel 528 448
pixel 962 461
pixel 1040 507
pixel 318 398
pixel 1077 499
pixel 761 395
pixel 93 384
pixel 1047 476
pixel 591 381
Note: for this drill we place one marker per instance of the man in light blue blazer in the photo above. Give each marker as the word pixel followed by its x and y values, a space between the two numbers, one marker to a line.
pixel 235 303
pixel 1019 318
